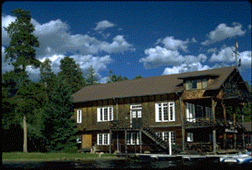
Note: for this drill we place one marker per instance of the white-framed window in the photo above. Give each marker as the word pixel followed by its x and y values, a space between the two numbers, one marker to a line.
pixel 103 139
pixel 165 111
pixel 79 116
pixel 136 110
pixel 190 112
pixel 104 114
pixel 133 138
pixel 208 112
pixel 166 135
pixel 189 137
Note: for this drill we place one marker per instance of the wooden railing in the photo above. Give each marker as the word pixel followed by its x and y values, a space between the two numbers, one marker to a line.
pixel 198 122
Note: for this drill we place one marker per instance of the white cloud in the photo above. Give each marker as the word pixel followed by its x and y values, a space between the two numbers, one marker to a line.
pixel 102 25
pixel 185 68
pixel 54 39
pixel 223 32
pixel 227 56
pixel 173 44
pixel 160 56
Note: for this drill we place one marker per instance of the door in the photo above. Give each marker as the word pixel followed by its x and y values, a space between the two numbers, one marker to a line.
pixel 136 116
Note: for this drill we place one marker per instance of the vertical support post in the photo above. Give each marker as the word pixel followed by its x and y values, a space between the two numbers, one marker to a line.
pixel 235 136
pixel 225 123
pixel 182 124
pixel 126 149
pixel 140 136
pixel 214 128
pixel 170 144
pixel 243 134
pixel 117 141
pixel 110 141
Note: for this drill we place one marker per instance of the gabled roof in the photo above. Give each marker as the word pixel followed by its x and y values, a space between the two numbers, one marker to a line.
pixel 148 86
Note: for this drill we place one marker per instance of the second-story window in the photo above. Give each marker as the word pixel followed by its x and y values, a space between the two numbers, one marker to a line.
pixel 104 114
pixel 165 111
pixel 79 116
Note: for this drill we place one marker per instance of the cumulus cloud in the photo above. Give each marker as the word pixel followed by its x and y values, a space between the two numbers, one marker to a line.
pixel 160 56
pixel 223 32
pixel 227 56
pixel 185 68
pixel 173 44
pixel 54 38
pixel 56 42
pixel 102 25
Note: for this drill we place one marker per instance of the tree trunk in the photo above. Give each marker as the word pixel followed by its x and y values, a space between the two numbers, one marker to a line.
pixel 25 134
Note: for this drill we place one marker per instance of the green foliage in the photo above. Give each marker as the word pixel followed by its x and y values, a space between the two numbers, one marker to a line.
pixel 71 74
pixel 21 47
pixel 91 77
pixel 114 78
pixel 47 77
pixel 59 125
pixel 138 77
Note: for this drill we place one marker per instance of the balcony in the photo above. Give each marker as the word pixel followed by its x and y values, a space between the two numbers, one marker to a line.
pixel 198 122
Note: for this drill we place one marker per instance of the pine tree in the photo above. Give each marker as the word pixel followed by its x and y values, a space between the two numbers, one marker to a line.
pixel 114 78
pixel 91 77
pixel 71 74
pixel 59 126
pixel 21 51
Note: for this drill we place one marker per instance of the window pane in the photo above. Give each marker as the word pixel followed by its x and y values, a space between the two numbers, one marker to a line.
pixel 106 113
pixel 189 85
pixel 171 111
pixel 128 138
pixel 105 139
pixel 204 83
pixel 110 113
pixel 165 109
pixel 133 114
pixel 100 139
pixel 166 136
pixel 101 114
pixel 160 113
pixel 139 113
pixel 194 84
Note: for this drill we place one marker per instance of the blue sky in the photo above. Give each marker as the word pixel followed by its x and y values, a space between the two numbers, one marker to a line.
pixel 138 38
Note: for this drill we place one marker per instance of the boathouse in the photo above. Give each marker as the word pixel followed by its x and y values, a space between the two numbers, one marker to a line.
pixel 191 112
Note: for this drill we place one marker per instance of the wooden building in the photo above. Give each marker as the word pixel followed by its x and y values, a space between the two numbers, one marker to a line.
pixel 195 111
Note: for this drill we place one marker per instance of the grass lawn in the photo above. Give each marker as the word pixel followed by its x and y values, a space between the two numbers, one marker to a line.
pixel 52 156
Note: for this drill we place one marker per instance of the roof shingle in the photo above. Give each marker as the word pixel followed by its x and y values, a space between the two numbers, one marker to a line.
pixel 147 86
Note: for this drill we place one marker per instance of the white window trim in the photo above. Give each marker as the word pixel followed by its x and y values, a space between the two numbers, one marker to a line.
pixel 130 139
pixel 190 116
pixel 110 115
pixel 169 136
pixel 79 116
pixel 102 135
pixel 169 104
pixel 189 137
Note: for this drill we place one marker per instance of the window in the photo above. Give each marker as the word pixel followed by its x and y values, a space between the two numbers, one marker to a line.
pixel 200 111
pixel 193 84
pixel 208 112
pixel 189 137
pixel 79 116
pixel 104 114
pixel 204 83
pixel 190 112
pixel 136 111
pixel 166 135
pixel 133 138
pixel 103 139
pixel 165 111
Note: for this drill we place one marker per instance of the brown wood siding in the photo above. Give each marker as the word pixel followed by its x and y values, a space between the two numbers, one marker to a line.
pixel 194 94
pixel 89 117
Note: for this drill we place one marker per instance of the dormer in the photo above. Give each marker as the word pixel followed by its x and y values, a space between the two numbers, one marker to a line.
pixel 197 82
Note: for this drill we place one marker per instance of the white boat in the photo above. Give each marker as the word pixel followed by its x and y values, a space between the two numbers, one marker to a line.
pixel 238 158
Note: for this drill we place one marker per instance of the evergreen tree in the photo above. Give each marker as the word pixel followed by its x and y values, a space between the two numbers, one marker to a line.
pixel 138 77
pixel 59 126
pixel 114 78
pixel 21 51
pixel 47 77
pixel 91 77
pixel 71 74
